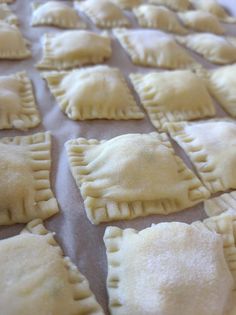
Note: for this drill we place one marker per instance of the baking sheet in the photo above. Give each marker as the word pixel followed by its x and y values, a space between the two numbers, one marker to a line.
pixel 80 240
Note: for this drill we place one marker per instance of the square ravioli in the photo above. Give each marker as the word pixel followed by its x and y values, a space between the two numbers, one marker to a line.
pixel 132 175
pixel 173 96
pixel 74 48
pixel 152 16
pixel 13 45
pixel 155 49
pixel 220 204
pixel 177 5
pixel 6 15
pixel 57 14
pixel 104 13
pixel 222 85
pixel 110 97
pixel 17 103
pixel 211 146
pixel 201 21
pixel 127 4
pixel 25 194
pixel 154 271
pixel 214 48
pixel 36 278
pixel 212 6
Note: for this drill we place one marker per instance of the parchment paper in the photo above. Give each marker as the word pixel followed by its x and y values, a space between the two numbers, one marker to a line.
pixel 80 240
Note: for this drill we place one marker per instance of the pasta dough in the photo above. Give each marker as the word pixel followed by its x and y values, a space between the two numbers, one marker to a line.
pixel 222 82
pixel 24 179
pixel 104 13
pixel 13 45
pixel 152 16
pixel 177 5
pixel 74 48
pixel 169 269
pixel 201 21
pixel 214 48
pixel 173 96
pixel 127 4
pixel 212 153
pixel 17 104
pixel 132 175
pixel 154 48
pixel 6 14
pixel 56 13
pixel 110 97
pixel 213 7
pixel 36 278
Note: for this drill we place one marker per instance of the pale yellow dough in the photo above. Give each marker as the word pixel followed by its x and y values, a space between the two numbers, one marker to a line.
pixel 222 83
pixel 104 13
pixel 17 103
pixel 214 48
pixel 132 175
pixel 177 5
pixel 154 48
pixel 7 1
pixel 56 13
pixel 211 148
pixel 213 7
pixel 168 269
pixel 74 48
pixel 152 16
pixel 36 278
pixel 13 45
pixel 127 4
pixel 173 96
pixel 201 21
pixel 220 204
pixel 25 193
pixel 93 93
pixel 6 15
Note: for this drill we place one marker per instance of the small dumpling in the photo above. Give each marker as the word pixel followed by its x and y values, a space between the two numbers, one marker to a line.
pixel 6 15
pixel 104 13
pixel 57 14
pixel 13 45
pixel 177 5
pixel 17 103
pixel 132 175
pixel 25 164
pixel 211 146
pixel 36 278
pixel 201 21
pixel 213 7
pixel 154 48
pixel 214 48
pixel 152 16
pixel 169 268
pixel 127 4
pixel 93 93
pixel 222 85
pixel 75 48
pixel 173 96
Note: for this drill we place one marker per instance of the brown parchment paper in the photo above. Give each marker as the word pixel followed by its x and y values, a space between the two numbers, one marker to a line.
pixel 80 240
